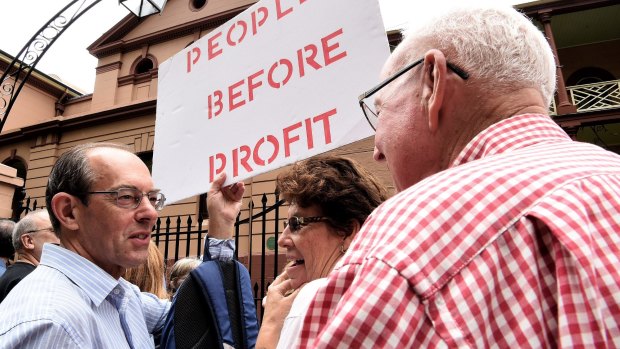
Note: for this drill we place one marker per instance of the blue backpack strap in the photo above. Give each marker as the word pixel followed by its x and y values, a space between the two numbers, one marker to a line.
pixel 248 306
pixel 209 275
pixel 167 333
pixel 240 302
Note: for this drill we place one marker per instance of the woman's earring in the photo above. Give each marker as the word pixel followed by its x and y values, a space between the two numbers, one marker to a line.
pixel 342 248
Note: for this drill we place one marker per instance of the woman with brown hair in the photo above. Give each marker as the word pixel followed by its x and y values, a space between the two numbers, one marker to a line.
pixel 330 197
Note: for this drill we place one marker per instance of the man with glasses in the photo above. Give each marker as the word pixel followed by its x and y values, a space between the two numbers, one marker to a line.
pixel 103 206
pixel 505 232
pixel 29 236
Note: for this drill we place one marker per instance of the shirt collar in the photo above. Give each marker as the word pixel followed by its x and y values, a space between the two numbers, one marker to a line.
pixel 93 280
pixel 512 133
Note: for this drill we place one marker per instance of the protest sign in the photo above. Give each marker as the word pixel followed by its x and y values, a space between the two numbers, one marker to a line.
pixel 277 83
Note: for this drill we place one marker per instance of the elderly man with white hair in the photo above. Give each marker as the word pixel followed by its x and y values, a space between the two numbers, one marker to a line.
pixel 505 232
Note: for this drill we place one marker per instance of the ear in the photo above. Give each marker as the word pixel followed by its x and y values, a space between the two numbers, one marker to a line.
pixel 434 82
pixel 65 209
pixel 355 227
pixel 27 241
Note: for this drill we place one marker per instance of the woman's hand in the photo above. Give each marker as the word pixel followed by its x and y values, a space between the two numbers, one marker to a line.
pixel 277 304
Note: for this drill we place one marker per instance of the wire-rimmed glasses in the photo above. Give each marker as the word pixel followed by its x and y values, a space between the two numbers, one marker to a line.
pixel 131 197
pixel 369 108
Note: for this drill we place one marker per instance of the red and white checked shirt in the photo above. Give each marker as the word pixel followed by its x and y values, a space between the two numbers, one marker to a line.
pixel 516 245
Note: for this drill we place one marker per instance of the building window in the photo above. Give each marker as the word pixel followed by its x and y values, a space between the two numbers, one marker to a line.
pixel 147 158
pixel 143 70
pixel 144 66
pixel 196 5
pixel 589 75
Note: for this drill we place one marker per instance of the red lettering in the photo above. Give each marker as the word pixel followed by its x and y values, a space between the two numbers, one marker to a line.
pixel 279 13
pixel 260 22
pixel 244 27
pixel 243 161
pixel 326 128
pixel 327 49
pixel 252 85
pixel 193 61
pixel 311 60
pixel 213 49
pixel 276 147
pixel 212 173
pixel 244 158
pixel 300 64
pixel 232 94
pixel 289 72
pixel 288 140
pixel 217 103
pixel 309 136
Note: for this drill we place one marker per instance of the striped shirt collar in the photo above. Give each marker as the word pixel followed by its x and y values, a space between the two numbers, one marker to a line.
pixel 94 281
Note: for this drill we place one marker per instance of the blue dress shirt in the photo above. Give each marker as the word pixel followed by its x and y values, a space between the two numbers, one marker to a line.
pixel 69 302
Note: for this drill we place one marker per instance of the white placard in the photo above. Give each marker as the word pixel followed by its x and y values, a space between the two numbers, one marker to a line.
pixel 276 84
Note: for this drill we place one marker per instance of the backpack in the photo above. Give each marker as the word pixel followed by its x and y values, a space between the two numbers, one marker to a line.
pixel 213 308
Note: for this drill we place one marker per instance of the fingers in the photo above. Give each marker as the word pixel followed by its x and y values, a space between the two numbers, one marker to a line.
pixel 216 185
pixel 281 286
pixel 234 191
pixel 280 278
pixel 280 293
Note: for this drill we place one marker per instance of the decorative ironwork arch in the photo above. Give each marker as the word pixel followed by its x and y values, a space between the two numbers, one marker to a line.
pixel 23 64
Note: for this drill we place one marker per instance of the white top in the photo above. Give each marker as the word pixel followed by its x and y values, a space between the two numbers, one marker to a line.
pixel 291 329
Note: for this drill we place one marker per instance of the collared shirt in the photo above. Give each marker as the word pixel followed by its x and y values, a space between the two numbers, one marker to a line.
pixel 517 244
pixel 222 250
pixel 69 302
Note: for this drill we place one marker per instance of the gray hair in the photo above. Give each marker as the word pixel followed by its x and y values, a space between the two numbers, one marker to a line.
pixel 497 45
pixel 72 174
pixel 26 225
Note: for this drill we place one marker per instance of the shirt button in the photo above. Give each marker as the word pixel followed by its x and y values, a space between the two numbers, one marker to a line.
pixel 116 291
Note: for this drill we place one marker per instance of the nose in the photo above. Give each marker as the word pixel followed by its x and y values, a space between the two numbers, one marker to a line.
pixel 146 212
pixel 378 155
pixel 284 240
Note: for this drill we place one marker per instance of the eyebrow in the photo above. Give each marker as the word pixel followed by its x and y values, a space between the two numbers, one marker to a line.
pixel 129 186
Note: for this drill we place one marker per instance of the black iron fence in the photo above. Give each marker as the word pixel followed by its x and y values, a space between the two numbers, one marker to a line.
pixel 21 209
pixel 183 236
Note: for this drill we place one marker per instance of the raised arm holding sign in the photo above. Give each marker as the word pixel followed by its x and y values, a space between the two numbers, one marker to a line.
pixel 276 84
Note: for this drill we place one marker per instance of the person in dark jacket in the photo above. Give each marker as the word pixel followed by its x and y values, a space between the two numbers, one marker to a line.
pixel 29 235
